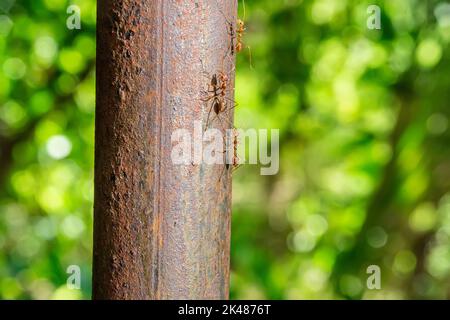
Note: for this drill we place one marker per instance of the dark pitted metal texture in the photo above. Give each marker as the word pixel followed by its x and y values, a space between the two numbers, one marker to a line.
pixel 161 231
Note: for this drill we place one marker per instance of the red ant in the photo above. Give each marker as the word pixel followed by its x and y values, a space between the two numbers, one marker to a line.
pixel 233 36
pixel 216 92
pixel 236 33
pixel 235 158
pixel 240 32
pixel 235 162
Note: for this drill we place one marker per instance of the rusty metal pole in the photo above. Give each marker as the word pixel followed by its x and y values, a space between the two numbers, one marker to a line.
pixel 161 231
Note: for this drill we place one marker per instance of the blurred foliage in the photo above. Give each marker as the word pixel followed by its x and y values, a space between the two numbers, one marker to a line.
pixel 47 100
pixel 365 163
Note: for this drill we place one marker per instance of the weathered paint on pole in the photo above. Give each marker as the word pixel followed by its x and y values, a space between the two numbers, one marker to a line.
pixel 161 231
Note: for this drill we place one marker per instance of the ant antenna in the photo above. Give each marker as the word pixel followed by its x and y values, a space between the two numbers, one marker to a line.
pixel 243 7
pixel 221 11
pixel 250 57
pixel 248 47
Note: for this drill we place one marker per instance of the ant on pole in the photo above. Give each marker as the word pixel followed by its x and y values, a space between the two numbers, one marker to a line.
pixel 235 161
pixel 216 94
pixel 236 33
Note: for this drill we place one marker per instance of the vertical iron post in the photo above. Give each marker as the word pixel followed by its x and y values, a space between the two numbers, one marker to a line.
pixel 161 231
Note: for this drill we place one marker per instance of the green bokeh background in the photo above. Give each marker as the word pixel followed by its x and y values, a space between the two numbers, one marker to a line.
pixel 364 169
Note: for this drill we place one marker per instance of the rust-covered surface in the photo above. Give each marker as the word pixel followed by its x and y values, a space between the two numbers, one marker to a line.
pixel 161 231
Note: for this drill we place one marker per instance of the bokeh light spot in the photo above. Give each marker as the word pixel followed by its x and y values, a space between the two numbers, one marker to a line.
pixel 6 25
pixel 14 68
pixel 429 53
pixel 404 262
pixel 377 237
pixel 59 147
